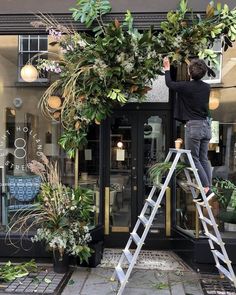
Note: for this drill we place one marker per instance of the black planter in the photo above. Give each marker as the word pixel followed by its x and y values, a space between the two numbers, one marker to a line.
pixel 95 257
pixel 60 264
pixel 228 216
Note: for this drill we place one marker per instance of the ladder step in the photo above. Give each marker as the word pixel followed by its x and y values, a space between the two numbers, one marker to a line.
pixel 143 219
pixel 191 169
pixel 120 274
pixel 159 185
pixel 135 238
pixel 207 220
pixel 128 255
pixel 221 256
pixel 151 202
pixel 214 239
pixel 182 151
pixel 222 269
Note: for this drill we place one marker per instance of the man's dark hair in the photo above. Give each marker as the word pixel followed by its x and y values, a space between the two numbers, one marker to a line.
pixel 197 69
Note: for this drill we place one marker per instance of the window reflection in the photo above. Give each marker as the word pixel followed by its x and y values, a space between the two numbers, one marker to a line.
pixel 120 173
pixel 24 132
pixel 154 152
pixel 222 155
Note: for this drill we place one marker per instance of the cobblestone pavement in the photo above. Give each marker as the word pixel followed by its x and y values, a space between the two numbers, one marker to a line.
pixel 96 281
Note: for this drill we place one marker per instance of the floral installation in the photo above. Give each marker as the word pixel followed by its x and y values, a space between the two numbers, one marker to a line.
pixel 61 216
pixel 116 63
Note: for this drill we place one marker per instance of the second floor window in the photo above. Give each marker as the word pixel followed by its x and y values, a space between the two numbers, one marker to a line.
pixel 30 46
pixel 217 69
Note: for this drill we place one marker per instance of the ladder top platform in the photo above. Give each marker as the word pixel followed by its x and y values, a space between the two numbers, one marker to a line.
pixel 180 151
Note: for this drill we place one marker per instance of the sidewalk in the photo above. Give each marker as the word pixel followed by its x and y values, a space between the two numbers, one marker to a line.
pixel 96 281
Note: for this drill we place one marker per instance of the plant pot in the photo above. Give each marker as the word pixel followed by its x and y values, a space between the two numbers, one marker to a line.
pixel 95 257
pixel 60 264
pixel 228 216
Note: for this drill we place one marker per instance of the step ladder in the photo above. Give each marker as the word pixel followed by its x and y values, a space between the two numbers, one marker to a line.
pixel 217 246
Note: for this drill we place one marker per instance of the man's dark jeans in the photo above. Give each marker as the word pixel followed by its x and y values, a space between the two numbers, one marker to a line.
pixel 197 137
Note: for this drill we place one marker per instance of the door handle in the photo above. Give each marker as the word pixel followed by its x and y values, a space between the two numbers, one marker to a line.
pixel 107 211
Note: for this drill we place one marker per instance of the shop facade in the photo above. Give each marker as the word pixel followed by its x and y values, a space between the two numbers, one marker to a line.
pixel 119 152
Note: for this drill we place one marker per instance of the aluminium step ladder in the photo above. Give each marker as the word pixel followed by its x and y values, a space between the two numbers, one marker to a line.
pixel 220 255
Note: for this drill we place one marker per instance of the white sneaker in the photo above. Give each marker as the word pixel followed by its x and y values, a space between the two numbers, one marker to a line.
pixel 209 195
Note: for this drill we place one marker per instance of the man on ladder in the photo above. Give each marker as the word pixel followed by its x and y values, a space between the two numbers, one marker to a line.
pixel 192 108
pixel 194 104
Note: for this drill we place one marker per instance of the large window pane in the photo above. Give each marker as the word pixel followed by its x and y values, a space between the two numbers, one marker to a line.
pixel 24 132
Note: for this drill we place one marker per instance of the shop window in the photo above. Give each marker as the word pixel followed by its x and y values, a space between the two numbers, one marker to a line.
pixel 29 47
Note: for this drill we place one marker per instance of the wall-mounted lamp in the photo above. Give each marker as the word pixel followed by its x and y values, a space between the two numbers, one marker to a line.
pixel 120 144
pixel 214 100
pixel 29 73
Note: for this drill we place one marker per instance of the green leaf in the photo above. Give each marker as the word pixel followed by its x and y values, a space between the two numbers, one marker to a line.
pixel 183 6
pixel 71 282
pixel 47 281
pixel 219 6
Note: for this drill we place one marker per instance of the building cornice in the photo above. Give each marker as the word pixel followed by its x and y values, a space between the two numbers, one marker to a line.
pixel 21 24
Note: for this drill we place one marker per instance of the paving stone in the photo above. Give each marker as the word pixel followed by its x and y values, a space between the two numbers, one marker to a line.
pixel 193 288
pixel 135 291
pixel 96 281
pixel 78 278
pixel 177 289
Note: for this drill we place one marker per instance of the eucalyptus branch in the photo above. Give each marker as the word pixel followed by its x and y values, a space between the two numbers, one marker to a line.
pixel 100 23
pixel 101 20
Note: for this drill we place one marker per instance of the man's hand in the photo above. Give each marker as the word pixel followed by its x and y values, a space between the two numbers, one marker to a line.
pixel 166 64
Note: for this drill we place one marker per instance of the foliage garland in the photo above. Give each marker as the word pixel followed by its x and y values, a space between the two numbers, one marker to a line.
pixel 117 63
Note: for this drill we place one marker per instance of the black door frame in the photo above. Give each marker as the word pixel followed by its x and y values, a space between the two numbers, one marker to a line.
pixel 142 109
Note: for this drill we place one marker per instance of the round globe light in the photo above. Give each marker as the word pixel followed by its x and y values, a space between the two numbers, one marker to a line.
pixel 54 102
pixel 120 144
pixel 214 103
pixel 29 73
pixel 214 100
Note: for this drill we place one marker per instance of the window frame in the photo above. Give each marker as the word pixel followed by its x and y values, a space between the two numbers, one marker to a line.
pixel 30 51
pixel 219 52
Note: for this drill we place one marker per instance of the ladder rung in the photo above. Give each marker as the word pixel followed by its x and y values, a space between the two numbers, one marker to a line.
pixel 193 185
pixel 120 274
pixel 213 238
pixel 159 185
pixel 143 219
pixel 135 238
pixel 221 256
pixel 128 255
pixel 225 271
pixel 151 202
pixel 191 169
pixel 207 220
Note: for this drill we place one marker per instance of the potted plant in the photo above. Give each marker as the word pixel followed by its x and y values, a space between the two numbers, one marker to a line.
pixel 159 170
pixel 61 217
pixel 224 190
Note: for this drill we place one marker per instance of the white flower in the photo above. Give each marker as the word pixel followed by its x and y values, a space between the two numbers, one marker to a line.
pixel 82 43
pixel 128 67
pixel 120 57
